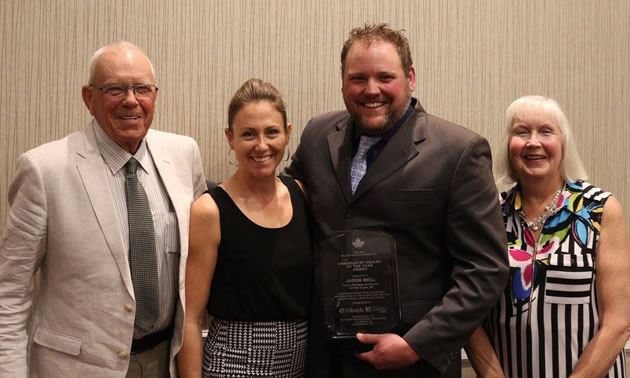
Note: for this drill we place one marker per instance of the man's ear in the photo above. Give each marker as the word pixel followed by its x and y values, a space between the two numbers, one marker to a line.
pixel 411 78
pixel 86 93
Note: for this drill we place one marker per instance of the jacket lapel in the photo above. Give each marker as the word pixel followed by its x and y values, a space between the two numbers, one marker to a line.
pixel 402 147
pixel 93 172
pixel 340 148
pixel 164 164
pixel 175 189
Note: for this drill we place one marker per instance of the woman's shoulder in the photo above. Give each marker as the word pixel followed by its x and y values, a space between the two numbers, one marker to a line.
pixel 204 207
pixel 613 211
pixel 588 190
pixel 293 185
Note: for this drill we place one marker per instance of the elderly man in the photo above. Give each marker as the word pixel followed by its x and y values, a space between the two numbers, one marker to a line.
pixel 386 165
pixel 103 215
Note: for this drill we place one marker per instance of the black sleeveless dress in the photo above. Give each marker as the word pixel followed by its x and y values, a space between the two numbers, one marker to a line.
pixel 260 294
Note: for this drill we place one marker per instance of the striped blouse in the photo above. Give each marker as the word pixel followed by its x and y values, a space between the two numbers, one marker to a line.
pixel 555 278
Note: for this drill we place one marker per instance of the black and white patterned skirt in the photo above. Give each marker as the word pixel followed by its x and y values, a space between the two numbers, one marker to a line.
pixel 255 349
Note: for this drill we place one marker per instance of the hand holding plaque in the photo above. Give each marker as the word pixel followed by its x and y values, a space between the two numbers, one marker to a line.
pixel 360 286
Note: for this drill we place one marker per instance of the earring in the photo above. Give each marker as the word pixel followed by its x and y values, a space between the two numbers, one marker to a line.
pixel 287 153
pixel 230 162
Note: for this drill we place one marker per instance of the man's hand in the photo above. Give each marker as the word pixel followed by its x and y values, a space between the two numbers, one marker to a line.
pixel 390 351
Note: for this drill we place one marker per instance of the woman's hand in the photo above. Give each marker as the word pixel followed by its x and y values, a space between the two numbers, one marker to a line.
pixel 482 356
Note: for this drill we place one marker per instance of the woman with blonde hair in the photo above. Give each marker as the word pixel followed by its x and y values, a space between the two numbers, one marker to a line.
pixel 566 308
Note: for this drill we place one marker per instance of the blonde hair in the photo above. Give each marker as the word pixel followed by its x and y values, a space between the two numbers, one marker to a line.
pixel 572 168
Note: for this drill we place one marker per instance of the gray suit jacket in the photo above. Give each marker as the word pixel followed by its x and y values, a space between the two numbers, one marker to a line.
pixel 432 189
pixel 63 221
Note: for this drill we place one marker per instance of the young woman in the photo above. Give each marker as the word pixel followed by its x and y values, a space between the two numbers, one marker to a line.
pixel 249 262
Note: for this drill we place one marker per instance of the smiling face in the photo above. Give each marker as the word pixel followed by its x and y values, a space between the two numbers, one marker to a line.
pixel 127 119
pixel 535 146
pixel 376 89
pixel 258 138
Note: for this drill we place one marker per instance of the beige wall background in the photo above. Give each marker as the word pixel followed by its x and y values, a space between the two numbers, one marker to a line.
pixel 472 59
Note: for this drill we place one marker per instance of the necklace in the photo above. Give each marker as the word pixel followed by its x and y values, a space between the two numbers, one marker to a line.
pixel 550 210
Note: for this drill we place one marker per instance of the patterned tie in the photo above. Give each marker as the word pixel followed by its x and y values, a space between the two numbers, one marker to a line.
pixel 142 253
pixel 359 163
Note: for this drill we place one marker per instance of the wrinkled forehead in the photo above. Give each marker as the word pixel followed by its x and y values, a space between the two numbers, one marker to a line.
pixel 125 65
pixel 374 52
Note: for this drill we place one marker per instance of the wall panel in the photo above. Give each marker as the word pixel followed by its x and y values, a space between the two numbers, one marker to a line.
pixel 472 59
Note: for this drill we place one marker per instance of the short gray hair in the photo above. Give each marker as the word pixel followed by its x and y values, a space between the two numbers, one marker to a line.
pixel 572 167
pixel 118 44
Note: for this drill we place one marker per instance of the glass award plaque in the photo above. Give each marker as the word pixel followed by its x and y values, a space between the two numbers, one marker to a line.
pixel 359 286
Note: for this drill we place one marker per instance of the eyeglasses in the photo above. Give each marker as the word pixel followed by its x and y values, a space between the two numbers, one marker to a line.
pixel 142 91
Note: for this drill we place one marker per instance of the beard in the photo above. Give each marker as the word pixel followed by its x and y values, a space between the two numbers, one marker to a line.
pixel 390 119
pixel 380 129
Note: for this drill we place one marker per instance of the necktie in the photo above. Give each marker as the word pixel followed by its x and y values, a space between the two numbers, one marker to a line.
pixel 142 253
pixel 359 164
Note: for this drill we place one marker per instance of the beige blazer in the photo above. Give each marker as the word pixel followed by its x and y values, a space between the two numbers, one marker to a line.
pixel 63 221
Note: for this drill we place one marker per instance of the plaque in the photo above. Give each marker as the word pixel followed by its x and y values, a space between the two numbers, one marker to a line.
pixel 359 286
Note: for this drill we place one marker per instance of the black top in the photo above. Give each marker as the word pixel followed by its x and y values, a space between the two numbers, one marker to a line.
pixel 262 274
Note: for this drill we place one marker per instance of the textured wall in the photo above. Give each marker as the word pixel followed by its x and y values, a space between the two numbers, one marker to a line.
pixel 472 59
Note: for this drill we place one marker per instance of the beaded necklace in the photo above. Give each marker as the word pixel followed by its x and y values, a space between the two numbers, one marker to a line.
pixel 550 210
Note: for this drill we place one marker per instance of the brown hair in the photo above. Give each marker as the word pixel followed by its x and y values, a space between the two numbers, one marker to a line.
pixel 256 90
pixel 371 33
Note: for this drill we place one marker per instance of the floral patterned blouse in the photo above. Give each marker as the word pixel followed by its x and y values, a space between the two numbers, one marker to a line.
pixel 548 312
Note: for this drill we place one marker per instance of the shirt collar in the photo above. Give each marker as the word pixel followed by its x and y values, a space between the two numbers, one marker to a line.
pixel 511 200
pixel 115 156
